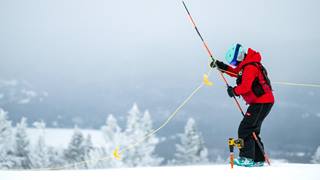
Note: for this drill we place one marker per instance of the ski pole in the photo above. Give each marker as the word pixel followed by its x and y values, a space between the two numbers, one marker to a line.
pixel 196 28
pixel 261 148
pixel 209 52
pixel 224 79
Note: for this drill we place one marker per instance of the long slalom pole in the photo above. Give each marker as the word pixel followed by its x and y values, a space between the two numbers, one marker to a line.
pixel 261 148
pixel 224 79
pixel 209 52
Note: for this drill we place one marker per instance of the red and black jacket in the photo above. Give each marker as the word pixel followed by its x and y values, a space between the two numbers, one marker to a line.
pixel 249 73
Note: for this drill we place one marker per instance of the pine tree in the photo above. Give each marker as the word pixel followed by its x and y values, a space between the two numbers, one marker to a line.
pixel 133 120
pixel 316 156
pixel 148 146
pixel 40 152
pixel 114 138
pixel 96 158
pixel 88 145
pixel 56 157
pixel 5 141
pixel 112 132
pixel 76 152
pixel 132 133
pixel 142 145
pixel 88 148
pixel 192 149
pixel 21 149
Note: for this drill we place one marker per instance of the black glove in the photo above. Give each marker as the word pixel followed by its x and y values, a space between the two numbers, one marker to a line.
pixel 219 64
pixel 213 64
pixel 231 92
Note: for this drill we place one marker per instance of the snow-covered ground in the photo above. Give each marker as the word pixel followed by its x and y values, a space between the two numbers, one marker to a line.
pixel 276 171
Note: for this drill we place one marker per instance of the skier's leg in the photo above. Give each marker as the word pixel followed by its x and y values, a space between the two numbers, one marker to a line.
pixel 246 127
pixel 248 149
pixel 259 156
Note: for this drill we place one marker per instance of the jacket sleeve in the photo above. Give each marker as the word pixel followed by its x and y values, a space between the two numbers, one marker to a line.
pixel 233 72
pixel 250 72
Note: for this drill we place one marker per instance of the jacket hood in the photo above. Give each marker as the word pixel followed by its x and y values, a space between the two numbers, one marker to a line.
pixel 252 56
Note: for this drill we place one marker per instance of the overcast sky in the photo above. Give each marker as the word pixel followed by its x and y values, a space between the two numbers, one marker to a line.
pixel 92 40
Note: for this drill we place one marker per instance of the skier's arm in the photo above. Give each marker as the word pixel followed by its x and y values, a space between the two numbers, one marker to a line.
pixel 249 74
pixel 225 68
pixel 233 72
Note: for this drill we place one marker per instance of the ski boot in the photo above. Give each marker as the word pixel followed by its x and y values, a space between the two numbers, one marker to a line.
pixel 245 162
pixel 259 164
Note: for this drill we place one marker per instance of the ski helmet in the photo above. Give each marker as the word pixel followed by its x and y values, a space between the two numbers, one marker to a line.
pixel 235 54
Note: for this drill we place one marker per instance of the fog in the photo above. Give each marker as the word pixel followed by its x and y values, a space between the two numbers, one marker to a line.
pixel 97 57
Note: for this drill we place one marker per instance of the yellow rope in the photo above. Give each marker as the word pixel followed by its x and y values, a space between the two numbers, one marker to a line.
pixel 297 84
pixel 282 82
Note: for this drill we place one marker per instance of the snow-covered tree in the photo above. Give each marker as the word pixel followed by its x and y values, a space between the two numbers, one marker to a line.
pixel 40 152
pixel 114 138
pixel 112 132
pixel 99 158
pixel 76 152
pixel 133 120
pixel 5 141
pixel 21 149
pixel 56 158
pixel 88 145
pixel 316 156
pixel 148 146
pixel 191 149
pixel 88 148
pixel 5 130
pixel 140 144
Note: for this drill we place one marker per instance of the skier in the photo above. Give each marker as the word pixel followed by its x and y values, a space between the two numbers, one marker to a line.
pixel 254 86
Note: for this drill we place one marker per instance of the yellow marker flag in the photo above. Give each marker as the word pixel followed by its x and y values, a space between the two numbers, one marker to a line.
pixel 206 80
pixel 116 154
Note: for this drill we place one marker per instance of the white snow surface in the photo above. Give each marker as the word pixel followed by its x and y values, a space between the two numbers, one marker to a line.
pixel 276 171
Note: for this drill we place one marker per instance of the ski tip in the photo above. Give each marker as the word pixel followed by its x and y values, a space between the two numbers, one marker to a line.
pixel 116 154
pixel 206 80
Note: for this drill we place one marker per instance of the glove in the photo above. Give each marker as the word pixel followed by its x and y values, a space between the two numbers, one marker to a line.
pixel 219 64
pixel 231 92
pixel 212 64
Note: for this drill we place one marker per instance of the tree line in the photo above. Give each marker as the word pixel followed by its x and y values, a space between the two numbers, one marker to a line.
pixel 17 152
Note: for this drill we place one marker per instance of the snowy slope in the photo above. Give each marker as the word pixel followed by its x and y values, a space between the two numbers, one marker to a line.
pixel 277 171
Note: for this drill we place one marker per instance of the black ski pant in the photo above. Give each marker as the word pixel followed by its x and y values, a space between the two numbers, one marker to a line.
pixel 252 122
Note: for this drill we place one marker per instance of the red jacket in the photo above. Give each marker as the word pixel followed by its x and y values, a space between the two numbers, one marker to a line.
pixel 250 72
